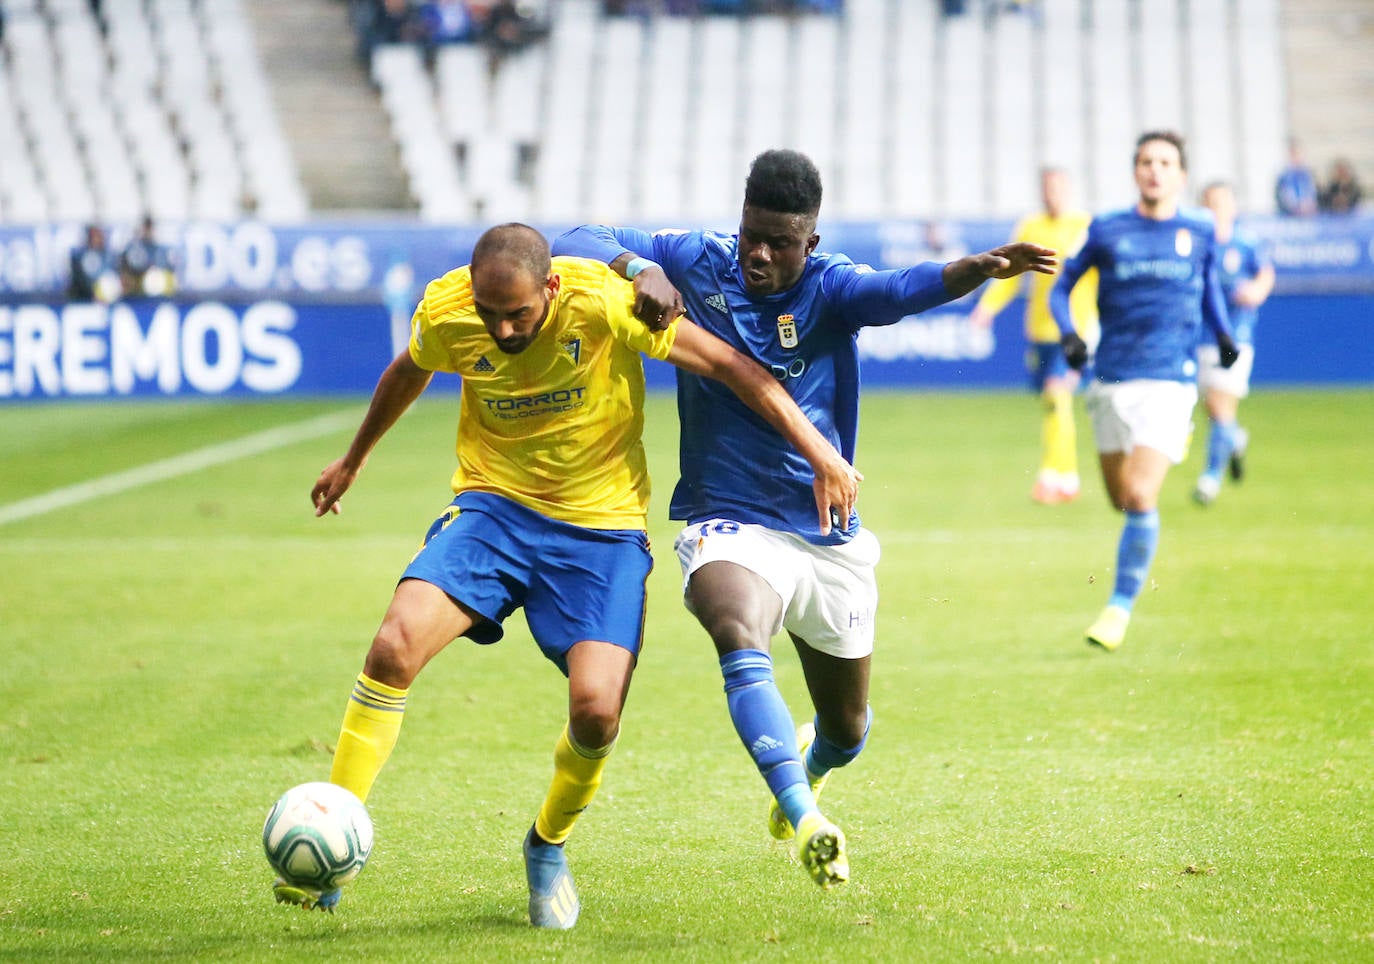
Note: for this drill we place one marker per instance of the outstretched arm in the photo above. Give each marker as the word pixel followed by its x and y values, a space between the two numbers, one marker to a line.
pixel 399 386
pixel 837 482
pixel 1007 261
pixel 630 254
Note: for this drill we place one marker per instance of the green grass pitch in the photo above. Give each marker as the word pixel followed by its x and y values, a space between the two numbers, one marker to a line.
pixel 178 654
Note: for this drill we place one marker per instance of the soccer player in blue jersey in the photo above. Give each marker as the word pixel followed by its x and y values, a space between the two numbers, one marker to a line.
pixel 754 560
pixel 1157 284
pixel 551 494
pixel 1247 278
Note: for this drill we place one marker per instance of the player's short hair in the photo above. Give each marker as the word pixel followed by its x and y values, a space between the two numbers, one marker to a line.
pixel 785 182
pixel 1168 137
pixel 516 243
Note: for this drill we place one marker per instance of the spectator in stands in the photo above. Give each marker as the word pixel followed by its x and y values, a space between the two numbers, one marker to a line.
pixel 1295 192
pixel 510 27
pixel 447 22
pixel 145 266
pixel 381 22
pixel 1342 193
pixel 93 276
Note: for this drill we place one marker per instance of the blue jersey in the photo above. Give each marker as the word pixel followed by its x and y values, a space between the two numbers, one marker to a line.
pixel 1240 260
pixel 732 463
pixel 1157 284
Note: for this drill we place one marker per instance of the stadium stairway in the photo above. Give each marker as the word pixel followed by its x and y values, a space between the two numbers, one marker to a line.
pixel 329 112
pixel 1329 48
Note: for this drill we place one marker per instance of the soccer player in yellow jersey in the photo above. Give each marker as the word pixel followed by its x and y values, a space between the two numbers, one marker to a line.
pixel 1062 228
pixel 549 512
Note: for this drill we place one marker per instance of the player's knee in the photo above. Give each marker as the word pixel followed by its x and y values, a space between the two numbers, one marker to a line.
pixel 850 739
pixel 731 633
pixel 594 719
pixel 1135 498
pixel 392 659
pixel 844 734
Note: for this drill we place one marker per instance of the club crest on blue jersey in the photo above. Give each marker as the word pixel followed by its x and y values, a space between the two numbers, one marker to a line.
pixel 1183 242
pixel 1231 261
pixel 574 348
pixel 787 331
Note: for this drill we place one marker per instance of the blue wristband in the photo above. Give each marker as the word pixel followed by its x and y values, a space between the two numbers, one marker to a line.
pixel 637 265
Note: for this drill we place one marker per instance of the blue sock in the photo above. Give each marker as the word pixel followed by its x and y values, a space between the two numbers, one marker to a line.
pixel 765 727
pixel 1221 442
pixel 1135 552
pixel 824 756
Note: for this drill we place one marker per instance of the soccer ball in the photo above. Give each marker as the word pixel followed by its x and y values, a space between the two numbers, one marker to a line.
pixel 317 835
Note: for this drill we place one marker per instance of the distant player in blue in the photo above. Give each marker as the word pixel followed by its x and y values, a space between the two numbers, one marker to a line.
pixel 1157 285
pixel 1247 278
pixel 755 557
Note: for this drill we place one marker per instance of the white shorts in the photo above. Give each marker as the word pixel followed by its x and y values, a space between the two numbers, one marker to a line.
pixel 1234 381
pixel 1152 412
pixel 829 593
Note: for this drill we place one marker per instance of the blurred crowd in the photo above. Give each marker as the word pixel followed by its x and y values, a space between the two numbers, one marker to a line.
pixel 688 8
pixel 1298 193
pixel 503 25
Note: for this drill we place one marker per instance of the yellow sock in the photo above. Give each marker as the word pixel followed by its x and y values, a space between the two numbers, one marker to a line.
pixel 371 724
pixel 576 776
pixel 1058 439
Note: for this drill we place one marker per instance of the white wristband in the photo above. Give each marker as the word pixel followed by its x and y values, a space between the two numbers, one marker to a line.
pixel 637 265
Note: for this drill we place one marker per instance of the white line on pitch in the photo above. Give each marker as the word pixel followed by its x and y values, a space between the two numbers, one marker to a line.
pixel 184 464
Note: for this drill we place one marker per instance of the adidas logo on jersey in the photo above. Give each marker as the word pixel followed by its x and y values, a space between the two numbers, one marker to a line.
pixel 484 366
pixel 717 301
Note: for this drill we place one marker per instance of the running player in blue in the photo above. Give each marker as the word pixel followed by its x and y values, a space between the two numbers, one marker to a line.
pixel 1247 278
pixel 754 560
pixel 1157 284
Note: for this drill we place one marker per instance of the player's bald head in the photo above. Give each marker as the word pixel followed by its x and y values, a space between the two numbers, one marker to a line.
pixel 510 249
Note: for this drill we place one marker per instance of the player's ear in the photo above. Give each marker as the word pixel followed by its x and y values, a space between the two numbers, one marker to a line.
pixel 552 284
pixel 811 243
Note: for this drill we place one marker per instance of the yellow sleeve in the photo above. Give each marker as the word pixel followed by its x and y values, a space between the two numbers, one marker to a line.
pixel 420 346
pixel 444 298
pixel 629 330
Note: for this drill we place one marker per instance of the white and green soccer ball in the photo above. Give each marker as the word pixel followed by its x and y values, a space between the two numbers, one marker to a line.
pixel 317 835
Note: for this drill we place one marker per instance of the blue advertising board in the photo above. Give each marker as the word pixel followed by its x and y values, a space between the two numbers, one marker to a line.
pixel 321 309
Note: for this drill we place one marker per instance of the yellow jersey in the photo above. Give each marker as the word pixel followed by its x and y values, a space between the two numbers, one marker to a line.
pixel 1065 234
pixel 557 427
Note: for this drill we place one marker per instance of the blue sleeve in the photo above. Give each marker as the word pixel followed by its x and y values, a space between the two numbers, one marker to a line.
pixel 1213 298
pixel 599 242
pixel 866 297
pixel 1074 268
